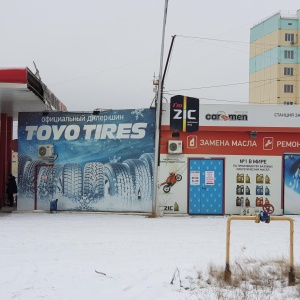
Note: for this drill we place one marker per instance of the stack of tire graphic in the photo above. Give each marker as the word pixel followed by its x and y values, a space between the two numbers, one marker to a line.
pixel 89 184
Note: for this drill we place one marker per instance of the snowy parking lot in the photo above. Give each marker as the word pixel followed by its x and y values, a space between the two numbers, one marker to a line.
pixel 113 256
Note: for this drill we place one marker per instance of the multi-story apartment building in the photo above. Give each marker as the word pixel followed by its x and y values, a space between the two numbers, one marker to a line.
pixel 275 60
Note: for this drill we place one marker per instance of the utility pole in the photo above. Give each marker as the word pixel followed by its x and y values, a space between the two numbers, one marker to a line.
pixel 158 116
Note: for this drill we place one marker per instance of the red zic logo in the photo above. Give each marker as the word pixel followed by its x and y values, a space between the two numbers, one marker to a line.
pixel 268 143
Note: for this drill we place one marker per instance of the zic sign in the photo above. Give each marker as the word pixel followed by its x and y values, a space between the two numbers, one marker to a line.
pixel 184 113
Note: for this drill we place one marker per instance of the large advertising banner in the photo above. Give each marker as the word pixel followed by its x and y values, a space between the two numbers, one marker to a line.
pixel 253 181
pixel 292 183
pixel 97 162
pixel 249 182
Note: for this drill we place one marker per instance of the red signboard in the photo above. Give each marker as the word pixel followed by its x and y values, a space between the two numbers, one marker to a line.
pixel 234 143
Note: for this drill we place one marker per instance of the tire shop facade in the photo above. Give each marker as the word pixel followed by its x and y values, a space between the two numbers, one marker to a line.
pixel 96 161
pixel 228 157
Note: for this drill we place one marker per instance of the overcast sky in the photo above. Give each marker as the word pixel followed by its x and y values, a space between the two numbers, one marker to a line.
pixel 104 54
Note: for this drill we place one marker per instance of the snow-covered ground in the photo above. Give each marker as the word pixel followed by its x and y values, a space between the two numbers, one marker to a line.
pixel 112 256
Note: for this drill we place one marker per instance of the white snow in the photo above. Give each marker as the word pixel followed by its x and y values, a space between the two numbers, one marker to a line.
pixel 113 256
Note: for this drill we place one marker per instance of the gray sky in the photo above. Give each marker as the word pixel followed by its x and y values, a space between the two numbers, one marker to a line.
pixel 103 54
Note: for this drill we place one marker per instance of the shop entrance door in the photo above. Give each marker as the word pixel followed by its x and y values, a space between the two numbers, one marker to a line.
pixel 206 186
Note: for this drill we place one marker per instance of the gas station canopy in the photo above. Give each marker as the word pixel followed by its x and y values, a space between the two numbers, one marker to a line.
pixel 22 91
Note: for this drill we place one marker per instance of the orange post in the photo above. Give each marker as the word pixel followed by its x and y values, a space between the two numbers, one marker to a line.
pixel 227 275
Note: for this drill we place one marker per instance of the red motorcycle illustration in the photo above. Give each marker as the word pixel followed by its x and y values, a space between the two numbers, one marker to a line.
pixel 170 181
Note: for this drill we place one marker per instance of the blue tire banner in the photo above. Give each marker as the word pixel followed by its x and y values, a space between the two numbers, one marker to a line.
pixel 96 162
pixel 291 184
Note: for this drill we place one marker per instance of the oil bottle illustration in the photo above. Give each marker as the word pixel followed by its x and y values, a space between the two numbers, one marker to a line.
pixel 239 178
pixel 238 201
pixel 240 190
pixel 176 206
pixel 259 178
pixel 259 201
pixel 247 190
pixel 247 178
pixel 247 202
pixel 259 190
pixel 267 179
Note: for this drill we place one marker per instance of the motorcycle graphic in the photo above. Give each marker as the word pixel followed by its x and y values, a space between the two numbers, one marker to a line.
pixel 170 181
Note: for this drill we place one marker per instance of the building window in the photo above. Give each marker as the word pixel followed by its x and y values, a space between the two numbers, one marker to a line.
pixel 288 71
pixel 289 37
pixel 288 88
pixel 289 54
pixel 288 102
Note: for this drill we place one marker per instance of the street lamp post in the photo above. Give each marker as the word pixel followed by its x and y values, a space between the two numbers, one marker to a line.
pixel 158 116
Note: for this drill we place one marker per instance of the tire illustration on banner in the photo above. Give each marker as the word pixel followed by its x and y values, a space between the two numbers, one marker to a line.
pixel 93 181
pixel 28 178
pixel 118 181
pixel 49 181
pixel 72 181
pixel 45 184
pixel 148 158
pixel 128 181
pixel 57 172
pixel 22 161
pixel 141 177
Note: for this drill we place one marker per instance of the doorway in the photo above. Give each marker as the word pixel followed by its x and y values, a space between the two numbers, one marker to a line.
pixel 206 186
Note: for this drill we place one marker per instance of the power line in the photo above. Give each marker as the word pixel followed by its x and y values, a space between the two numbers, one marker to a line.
pixel 229 41
pixel 104 70
pixel 229 84
pixel 152 56
pixel 212 39
pixel 217 100
pixel 129 63
pixel 223 100
pixel 270 80
pixel 208 87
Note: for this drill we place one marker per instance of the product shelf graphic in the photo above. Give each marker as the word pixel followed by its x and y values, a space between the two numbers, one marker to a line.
pixel 255 193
